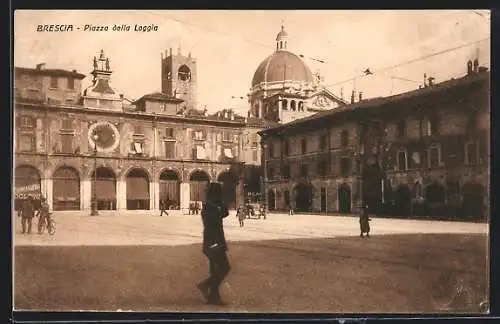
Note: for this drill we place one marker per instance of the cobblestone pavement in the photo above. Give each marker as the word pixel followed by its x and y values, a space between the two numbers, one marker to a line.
pixel 148 228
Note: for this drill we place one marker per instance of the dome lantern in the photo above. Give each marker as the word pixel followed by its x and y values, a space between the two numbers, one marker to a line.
pixel 281 39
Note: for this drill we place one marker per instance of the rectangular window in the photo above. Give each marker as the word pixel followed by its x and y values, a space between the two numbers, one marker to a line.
pixel 434 157
pixel 138 148
pixel 138 130
pixel 402 161
pixel 67 124
pixel 303 170
pixel 471 153
pixel 344 138
pixel 198 135
pixel 53 82
pixel 169 149
pixel 286 148
pixel 26 143
pixel 345 166
pixel 27 122
pixel 271 150
pixel 270 174
pixel 169 132
pixel 322 142
pixel 66 143
pixel 285 172
pixel 255 155
pixel 401 129
pixel 303 146
pixel 226 137
pixel 71 83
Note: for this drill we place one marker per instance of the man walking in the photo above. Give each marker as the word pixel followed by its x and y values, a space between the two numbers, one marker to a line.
pixel 27 214
pixel 163 207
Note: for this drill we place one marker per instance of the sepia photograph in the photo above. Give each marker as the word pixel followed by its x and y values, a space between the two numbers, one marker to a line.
pixel 251 161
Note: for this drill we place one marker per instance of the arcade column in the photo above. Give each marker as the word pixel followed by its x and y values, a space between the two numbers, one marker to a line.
pixel 47 192
pixel 121 195
pixel 154 189
pixel 86 194
pixel 185 195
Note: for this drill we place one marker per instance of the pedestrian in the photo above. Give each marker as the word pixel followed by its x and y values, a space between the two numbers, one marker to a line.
pixel 27 214
pixel 290 209
pixel 43 215
pixel 197 207
pixel 214 243
pixel 240 214
pixel 163 207
pixel 364 222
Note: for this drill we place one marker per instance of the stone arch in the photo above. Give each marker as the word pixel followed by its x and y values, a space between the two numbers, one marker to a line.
pixel 177 172
pixel 126 172
pixel 137 183
pixel 293 105
pixel 198 181
pixel 184 73
pixel 195 171
pixel 229 181
pixel 169 182
pixel 344 193
pixel 27 182
pixel 66 164
pixel 103 165
pixel 303 193
pixel 66 188
pixel 104 187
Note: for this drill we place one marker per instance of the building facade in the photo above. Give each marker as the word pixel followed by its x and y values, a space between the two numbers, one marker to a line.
pixel 421 152
pixel 75 147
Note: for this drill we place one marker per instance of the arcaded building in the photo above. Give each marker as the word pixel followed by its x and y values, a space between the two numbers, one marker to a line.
pixel 421 152
pixel 75 147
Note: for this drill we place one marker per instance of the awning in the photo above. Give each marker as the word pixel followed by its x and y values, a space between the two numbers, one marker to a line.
pixel 137 188
pixel 105 189
pixel 228 153
pixel 200 152
pixel 138 147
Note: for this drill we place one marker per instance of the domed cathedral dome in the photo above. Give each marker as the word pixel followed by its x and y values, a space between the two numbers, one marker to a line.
pixel 281 73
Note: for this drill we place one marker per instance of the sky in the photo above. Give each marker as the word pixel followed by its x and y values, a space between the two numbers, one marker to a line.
pixel 229 45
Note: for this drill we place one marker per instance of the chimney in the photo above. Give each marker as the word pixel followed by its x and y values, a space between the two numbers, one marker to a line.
pixel 425 80
pixel 360 96
pixel 431 81
pixel 352 96
pixel 342 93
pixel 476 65
pixel 469 67
pixel 40 66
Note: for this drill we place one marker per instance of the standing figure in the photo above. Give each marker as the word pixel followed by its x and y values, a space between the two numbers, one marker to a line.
pixel 43 215
pixel 214 243
pixel 364 222
pixel 163 207
pixel 241 214
pixel 290 209
pixel 27 214
pixel 197 207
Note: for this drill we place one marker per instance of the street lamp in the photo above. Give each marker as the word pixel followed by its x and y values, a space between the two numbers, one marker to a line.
pixel 94 211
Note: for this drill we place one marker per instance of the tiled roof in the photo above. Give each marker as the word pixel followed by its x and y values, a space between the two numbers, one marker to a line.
pixel 379 101
pixel 49 72
pixel 159 96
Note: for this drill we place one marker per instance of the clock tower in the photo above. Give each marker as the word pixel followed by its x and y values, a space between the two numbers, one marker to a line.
pixel 178 77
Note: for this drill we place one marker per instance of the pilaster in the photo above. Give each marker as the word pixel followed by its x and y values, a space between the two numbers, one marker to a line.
pixel 121 195
pixel 85 194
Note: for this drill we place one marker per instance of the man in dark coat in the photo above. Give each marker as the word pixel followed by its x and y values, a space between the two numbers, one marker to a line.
pixel 163 207
pixel 27 214
pixel 214 243
pixel 364 221
pixel 43 215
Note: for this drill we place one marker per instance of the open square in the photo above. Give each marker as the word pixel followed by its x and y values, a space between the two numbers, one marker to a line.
pixel 143 262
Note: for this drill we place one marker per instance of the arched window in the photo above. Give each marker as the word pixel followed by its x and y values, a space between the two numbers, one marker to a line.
pixel 285 104
pixel 292 105
pixel 184 73
pixel 301 106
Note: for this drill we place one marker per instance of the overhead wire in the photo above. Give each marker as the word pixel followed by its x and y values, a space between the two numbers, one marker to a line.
pixel 376 71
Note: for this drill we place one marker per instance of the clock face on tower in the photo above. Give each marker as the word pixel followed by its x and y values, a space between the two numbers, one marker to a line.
pixel 103 136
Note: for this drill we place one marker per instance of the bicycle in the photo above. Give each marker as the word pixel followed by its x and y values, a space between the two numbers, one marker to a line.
pixel 51 226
